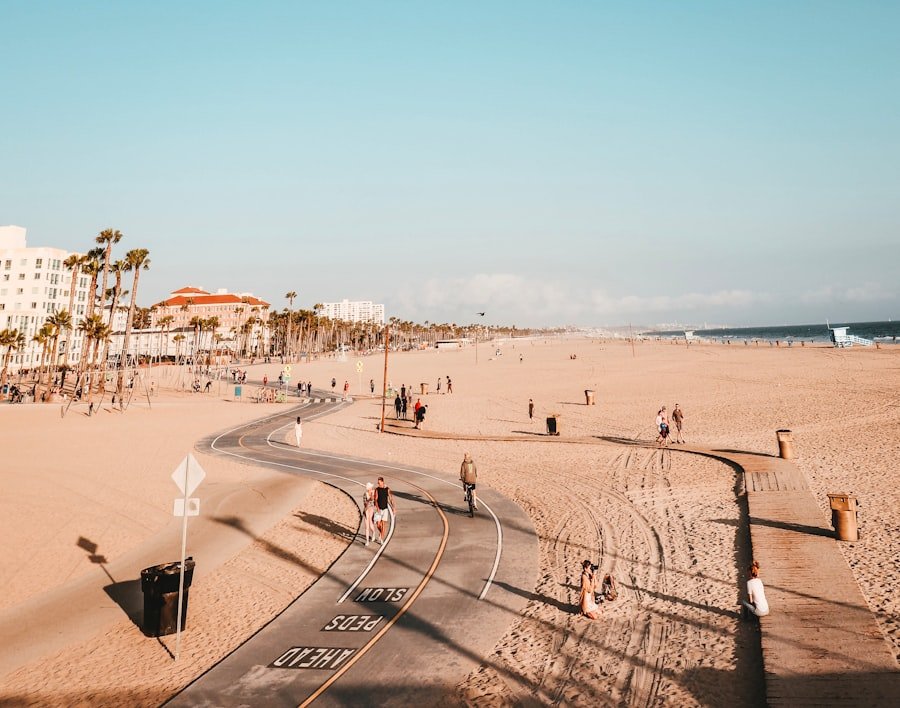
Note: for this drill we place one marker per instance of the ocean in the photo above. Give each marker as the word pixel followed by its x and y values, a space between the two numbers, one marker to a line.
pixel 879 331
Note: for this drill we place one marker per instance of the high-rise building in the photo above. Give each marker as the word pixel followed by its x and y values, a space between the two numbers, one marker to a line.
pixel 358 311
pixel 35 284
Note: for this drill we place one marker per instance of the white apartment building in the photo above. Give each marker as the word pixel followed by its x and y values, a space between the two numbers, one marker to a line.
pixel 34 284
pixel 358 311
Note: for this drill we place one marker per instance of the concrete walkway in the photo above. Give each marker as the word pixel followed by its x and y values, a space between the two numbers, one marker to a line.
pixel 821 644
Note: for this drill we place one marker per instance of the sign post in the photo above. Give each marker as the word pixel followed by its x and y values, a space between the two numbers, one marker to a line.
pixel 187 476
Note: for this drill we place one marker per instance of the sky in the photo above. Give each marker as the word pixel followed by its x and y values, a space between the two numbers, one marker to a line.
pixel 548 163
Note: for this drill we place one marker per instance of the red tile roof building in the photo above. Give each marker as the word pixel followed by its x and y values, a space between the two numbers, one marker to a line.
pixel 232 309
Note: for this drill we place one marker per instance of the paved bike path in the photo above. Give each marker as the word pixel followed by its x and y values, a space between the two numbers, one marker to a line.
pixel 435 600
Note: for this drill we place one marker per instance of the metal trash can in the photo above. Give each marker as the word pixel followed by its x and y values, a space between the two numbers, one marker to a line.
pixel 423 387
pixel 588 397
pixel 785 444
pixel 237 392
pixel 553 424
pixel 843 516
pixel 159 584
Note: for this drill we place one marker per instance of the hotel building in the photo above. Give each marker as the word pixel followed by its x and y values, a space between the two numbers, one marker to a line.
pixel 359 311
pixel 35 284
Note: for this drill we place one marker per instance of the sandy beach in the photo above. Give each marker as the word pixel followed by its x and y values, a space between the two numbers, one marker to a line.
pixel 671 527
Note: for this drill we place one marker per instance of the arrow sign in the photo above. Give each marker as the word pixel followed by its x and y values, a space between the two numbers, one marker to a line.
pixel 188 469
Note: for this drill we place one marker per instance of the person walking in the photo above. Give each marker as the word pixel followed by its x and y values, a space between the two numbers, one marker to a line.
pixel 403 391
pixel 530 409
pixel 384 506
pixel 346 390
pixel 372 386
pixel 420 415
pixel 398 406
pixel 369 512
pixel 468 475
pixel 439 384
pixel 333 383
pixel 404 407
pixel 298 431
pixel 265 380
pixel 756 593
pixel 678 417
pixel 449 385
pixel 662 426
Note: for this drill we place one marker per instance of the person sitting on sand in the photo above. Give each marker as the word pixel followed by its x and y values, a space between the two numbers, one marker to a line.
pixel 756 593
pixel 588 603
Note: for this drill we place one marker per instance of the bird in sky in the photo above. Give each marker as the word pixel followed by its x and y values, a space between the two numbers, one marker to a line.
pixel 480 314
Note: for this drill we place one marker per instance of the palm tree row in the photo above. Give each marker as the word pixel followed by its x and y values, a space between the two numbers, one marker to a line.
pixel 58 327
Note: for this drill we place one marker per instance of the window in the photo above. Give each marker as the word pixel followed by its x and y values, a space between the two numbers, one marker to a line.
pixel 19 291
pixel 21 276
pixel 7 265
pixel 39 263
pixel 24 262
pixel 6 276
pixel 34 291
pixel 34 306
pixel 37 276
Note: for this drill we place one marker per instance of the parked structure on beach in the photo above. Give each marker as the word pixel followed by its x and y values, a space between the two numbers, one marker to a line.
pixel 840 338
pixel 34 285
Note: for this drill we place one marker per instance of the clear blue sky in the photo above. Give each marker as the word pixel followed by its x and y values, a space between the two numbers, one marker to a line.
pixel 549 163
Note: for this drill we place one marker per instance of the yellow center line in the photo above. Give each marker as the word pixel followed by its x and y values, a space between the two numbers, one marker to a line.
pixel 368 645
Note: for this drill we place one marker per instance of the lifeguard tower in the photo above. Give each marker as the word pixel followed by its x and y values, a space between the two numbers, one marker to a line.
pixel 840 338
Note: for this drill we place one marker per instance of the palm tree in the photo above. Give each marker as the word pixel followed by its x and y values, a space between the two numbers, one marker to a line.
pixel 164 322
pixel 290 297
pixel 43 338
pixel 136 260
pixel 117 268
pixel 106 239
pixel 60 321
pixel 74 263
pixel 13 340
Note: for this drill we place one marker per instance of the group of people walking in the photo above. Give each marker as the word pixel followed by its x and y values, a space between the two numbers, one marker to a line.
pixel 378 509
pixel 662 426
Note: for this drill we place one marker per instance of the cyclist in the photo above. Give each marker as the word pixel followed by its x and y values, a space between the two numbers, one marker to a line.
pixel 468 475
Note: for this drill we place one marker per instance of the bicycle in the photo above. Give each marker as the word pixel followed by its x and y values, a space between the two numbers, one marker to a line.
pixel 470 500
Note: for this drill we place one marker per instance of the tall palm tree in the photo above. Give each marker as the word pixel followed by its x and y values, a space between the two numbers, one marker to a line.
pixel 290 297
pixel 13 340
pixel 136 259
pixel 42 337
pixel 73 263
pixel 164 322
pixel 106 239
pixel 91 267
pixel 117 268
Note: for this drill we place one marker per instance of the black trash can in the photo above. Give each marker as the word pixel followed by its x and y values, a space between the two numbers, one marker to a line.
pixel 553 425
pixel 160 586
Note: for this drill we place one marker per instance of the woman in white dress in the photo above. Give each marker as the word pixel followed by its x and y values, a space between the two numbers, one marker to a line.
pixel 589 606
pixel 369 511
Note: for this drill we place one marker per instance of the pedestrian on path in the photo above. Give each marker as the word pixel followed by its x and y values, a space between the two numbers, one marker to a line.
pixel 756 593
pixel 449 385
pixel 372 386
pixel 439 384
pixel 662 427
pixel 420 415
pixel 333 383
pixel 346 389
pixel 398 405
pixel 298 431
pixel 369 511
pixel 384 506
pixel 530 409
pixel 404 407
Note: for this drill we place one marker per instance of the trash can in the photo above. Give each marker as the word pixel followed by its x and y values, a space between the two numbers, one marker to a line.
pixel 159 584
pixel 588 397
pixel 843 516
pixel 423 387
pixel 785 444
pixel 237 391
pixel 553 424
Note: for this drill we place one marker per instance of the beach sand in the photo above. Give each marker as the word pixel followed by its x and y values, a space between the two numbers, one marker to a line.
pixel 670 526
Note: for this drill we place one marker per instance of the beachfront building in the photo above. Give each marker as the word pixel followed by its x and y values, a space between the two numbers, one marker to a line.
pixel 357 311
pixel 35 284
pixel 241 318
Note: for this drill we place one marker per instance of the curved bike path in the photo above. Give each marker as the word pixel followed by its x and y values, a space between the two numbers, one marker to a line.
pixel 398 624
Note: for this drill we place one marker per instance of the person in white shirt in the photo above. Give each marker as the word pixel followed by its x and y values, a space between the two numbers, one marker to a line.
pixel 298 431
pixel 756 593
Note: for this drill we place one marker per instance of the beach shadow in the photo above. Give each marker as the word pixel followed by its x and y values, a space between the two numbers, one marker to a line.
pixel 128 595
pixel 744 452
pixel 418 499
pixel 799 528
pixel 566 607
pixel 531 432
pixel 326 524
